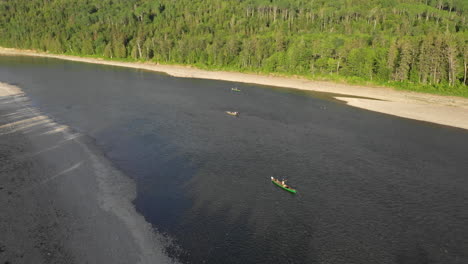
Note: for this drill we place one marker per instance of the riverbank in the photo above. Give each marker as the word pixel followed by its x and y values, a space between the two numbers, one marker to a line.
pixel 444 110
pixel 61 199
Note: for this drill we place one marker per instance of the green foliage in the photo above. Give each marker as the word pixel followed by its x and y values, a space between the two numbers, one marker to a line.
pixel 360 63
pixel 412 44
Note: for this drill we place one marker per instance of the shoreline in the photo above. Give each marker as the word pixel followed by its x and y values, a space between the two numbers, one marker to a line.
pixel 62 201
pixel 443 110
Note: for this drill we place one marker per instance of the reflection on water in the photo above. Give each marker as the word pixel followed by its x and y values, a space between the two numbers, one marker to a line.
pixel 371 188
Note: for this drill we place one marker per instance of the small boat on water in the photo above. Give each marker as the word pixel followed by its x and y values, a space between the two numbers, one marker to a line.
pixel 235 89
pixel 232 113
pixel 283 185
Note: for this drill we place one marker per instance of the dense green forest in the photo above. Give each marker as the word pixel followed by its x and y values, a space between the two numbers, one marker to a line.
pixel 414 44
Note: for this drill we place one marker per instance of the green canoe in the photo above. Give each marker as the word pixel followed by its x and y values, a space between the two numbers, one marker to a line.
pixel 283 186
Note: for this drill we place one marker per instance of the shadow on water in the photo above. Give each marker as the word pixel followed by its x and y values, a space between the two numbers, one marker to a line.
pixel 372 188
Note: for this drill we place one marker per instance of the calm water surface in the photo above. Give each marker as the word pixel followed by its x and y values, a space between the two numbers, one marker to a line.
pixel 372 188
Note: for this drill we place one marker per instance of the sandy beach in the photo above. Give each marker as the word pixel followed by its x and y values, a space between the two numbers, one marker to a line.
pixel 444 110
pixel 61 199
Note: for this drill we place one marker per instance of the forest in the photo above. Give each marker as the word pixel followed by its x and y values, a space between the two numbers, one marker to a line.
pixel 411 44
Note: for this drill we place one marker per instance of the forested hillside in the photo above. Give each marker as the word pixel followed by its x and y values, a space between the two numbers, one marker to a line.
pixel 411 43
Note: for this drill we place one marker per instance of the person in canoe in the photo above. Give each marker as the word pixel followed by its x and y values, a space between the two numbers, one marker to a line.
pixel 283 185
pixel 233 113
pixel 283 182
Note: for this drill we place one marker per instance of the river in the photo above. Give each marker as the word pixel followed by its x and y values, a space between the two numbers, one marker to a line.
pixel 372 188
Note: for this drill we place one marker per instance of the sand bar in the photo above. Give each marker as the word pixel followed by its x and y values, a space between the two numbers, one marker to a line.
pixel 444 110
pixel 62 201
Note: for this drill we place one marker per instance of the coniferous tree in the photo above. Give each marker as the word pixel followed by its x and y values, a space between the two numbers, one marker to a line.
pixel 402 40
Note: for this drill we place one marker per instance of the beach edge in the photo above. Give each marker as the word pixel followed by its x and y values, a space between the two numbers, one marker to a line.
pixel 439 109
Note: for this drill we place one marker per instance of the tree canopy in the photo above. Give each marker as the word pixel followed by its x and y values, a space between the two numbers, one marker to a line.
pixel 415 42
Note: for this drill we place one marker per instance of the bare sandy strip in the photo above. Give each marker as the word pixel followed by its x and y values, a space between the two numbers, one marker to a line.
pixel 7 90
pixel 445 110
pixel 107 225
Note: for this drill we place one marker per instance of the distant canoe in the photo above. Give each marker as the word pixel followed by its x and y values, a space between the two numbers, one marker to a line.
pixel 232 113
pixel 235 90
pixel 283 185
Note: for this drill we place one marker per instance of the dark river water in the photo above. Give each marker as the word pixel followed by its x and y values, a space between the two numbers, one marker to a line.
pixel 372 188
